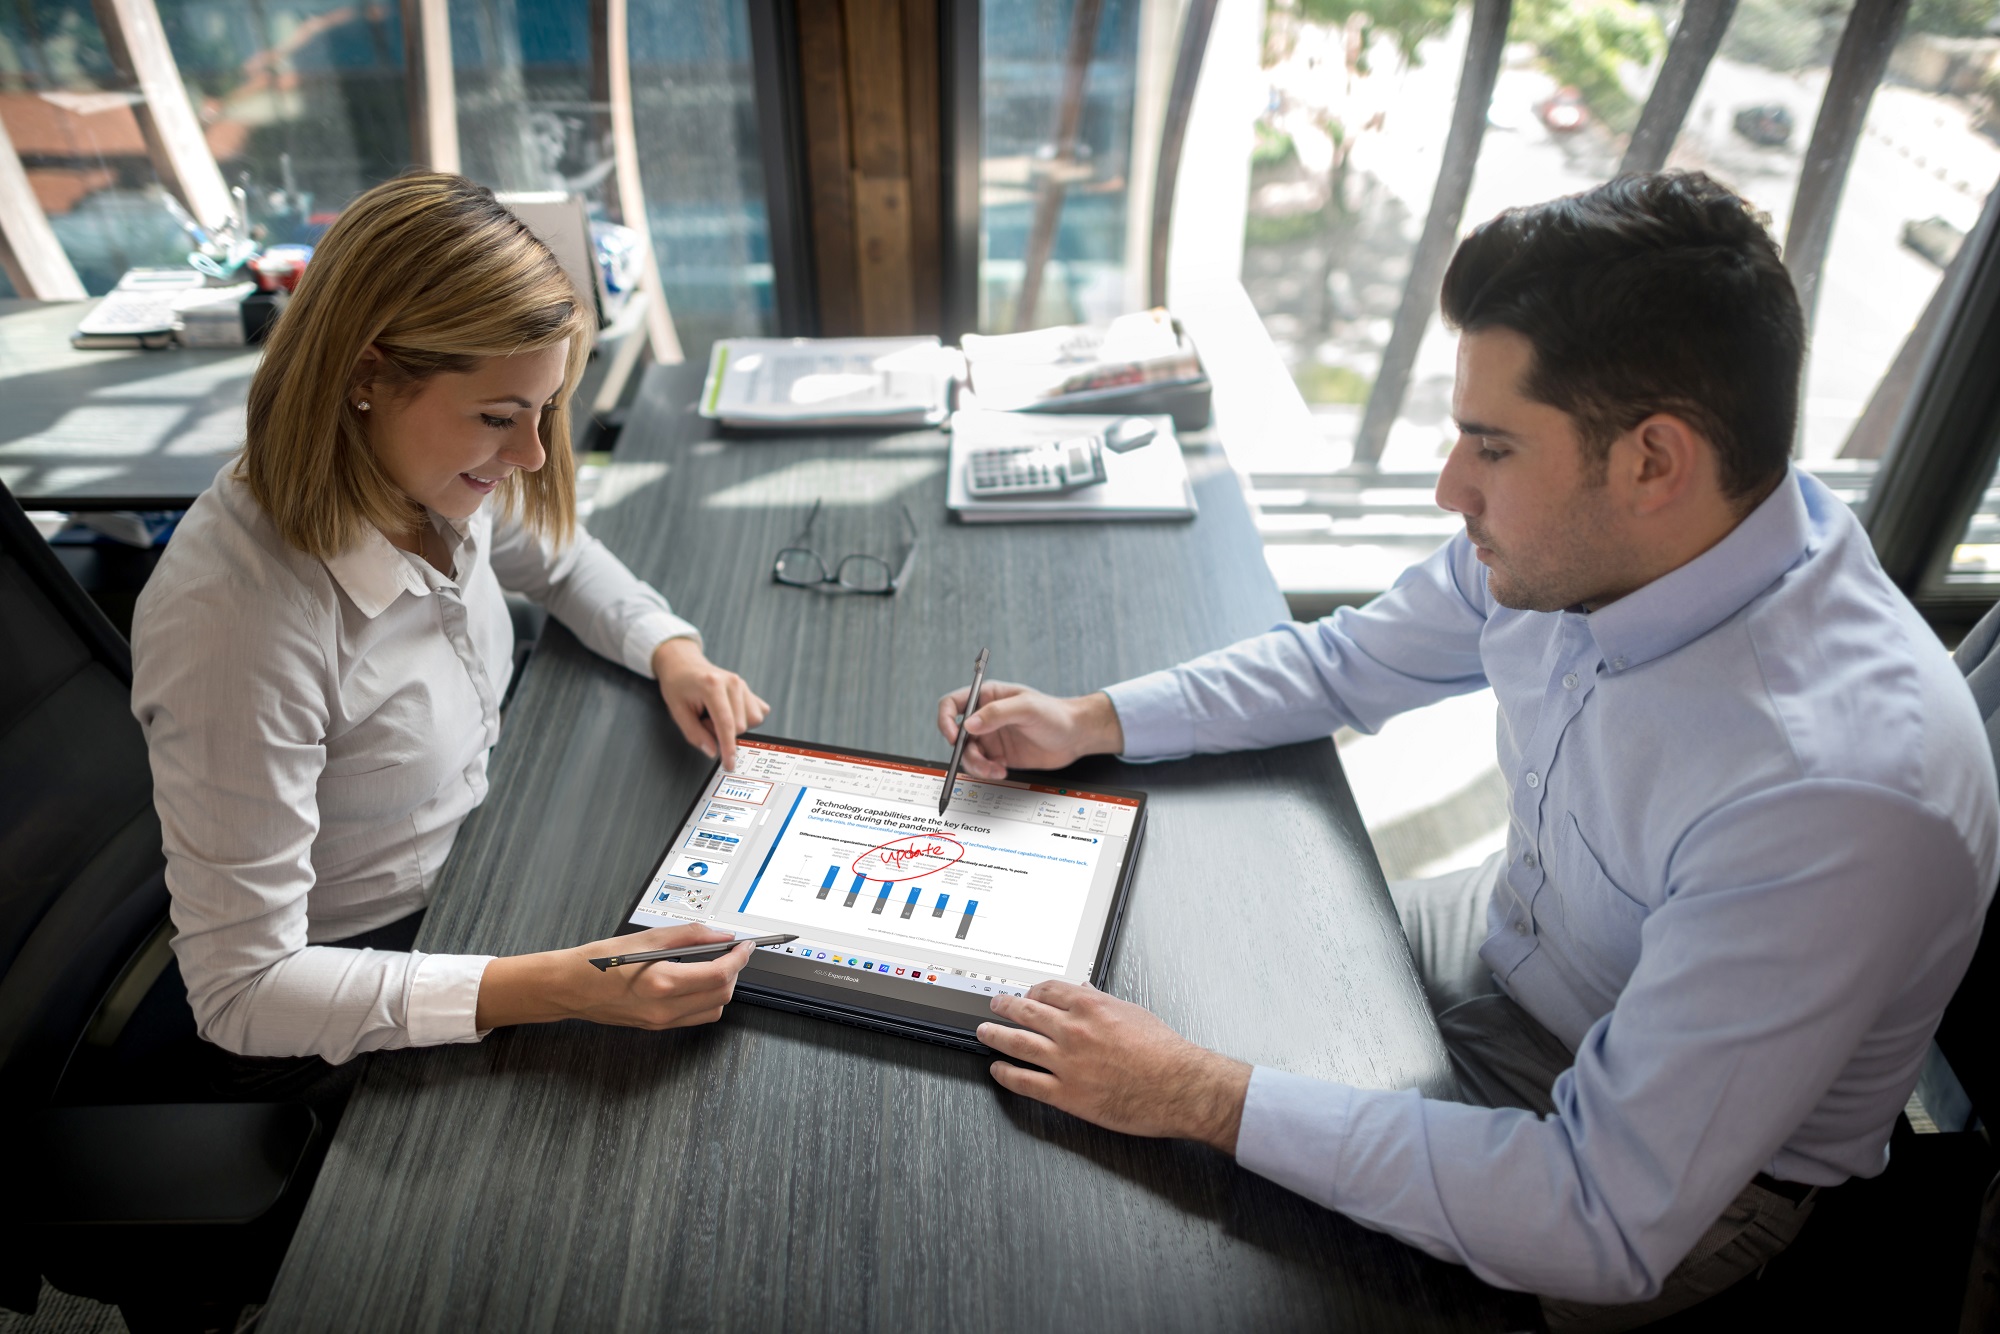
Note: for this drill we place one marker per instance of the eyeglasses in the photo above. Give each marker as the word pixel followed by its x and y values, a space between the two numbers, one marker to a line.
pixel 802 567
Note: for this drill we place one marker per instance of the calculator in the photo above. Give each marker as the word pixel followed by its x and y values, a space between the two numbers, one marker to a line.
pixel 1045 468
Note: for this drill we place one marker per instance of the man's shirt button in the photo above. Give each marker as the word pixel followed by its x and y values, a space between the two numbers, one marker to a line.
pixel 1569 681
pixel 1532 860
pixel 1520 928
pixel 1533 779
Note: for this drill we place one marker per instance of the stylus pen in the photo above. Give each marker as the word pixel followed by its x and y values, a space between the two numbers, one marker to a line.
pixel 958 747
pixel 714 949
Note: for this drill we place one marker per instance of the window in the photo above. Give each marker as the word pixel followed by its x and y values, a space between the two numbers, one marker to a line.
pixel 1350 153
pixel 1058 90
pixel 534 113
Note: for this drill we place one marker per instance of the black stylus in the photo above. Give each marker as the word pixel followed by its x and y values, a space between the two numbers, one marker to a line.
pixel 714 949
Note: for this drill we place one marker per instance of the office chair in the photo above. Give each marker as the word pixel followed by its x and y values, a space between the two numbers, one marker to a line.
pixel 1897 1251
pixel 159 1207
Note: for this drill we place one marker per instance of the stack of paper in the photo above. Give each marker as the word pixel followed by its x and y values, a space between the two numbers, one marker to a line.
pixel 140 311
pixel 1075 364
pixel 806 383
pixel 1150 482
pixel 213 317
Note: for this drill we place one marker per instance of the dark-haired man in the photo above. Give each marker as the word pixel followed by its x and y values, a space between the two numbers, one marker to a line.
pixel 1753 814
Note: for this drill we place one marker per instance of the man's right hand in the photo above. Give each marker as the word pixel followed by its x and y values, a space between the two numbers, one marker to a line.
pixel 1018 727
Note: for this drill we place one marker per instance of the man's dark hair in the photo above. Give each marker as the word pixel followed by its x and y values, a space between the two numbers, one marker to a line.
pixel 1659 293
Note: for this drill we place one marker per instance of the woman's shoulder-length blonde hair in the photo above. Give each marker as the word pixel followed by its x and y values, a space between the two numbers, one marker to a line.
pixel 437 275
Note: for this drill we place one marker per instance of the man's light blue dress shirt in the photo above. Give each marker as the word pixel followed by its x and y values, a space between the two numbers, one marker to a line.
pixel 1753 833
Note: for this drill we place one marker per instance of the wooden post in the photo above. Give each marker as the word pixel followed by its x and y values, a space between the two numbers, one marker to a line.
pixel 924 163
pixel 631 195
pixel 29 251
pixel 869 90
pixel 138 47
pixel 431 89
pixel 879 124
pixel 829 175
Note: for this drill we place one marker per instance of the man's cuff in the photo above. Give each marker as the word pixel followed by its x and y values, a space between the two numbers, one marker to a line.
pixel 444 999
pixel 1153 714
pixel 648 633
pixel 1293 1131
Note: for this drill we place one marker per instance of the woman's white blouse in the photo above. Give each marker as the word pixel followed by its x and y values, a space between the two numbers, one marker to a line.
pixel 318 732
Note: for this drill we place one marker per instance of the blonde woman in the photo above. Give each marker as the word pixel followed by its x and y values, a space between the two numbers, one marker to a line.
pixel 319 659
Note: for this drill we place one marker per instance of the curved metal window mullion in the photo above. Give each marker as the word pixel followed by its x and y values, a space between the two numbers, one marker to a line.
pixel 137 43
pixel 430 85
pixel 29 251
pixel 631 195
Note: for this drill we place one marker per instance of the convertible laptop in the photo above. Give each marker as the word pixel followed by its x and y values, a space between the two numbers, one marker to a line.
pixel 906 921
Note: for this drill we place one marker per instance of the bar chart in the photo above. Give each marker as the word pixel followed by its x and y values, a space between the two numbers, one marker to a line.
pixel 882 894
pixel 870 869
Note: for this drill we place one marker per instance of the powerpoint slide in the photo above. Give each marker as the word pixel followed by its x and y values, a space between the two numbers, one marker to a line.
pixel 893 871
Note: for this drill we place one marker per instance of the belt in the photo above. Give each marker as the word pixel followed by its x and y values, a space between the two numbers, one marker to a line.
pixel 1798 1192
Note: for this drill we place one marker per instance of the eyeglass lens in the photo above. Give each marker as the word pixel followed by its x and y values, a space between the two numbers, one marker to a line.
pixel 797 565
pixel 865 574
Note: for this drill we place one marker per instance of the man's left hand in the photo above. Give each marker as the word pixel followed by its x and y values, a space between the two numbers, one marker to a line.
pixel 1112 1063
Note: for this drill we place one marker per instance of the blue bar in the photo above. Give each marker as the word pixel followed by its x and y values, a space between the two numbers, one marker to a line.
pixel 832 874
pixel 939 910
pixel 745 905
pixel 914 891
pixel 882 899
pixel 854 891
pixel 887 885
pixel 971 907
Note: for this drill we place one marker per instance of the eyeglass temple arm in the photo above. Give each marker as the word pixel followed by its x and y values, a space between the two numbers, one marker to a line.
pixel 909 556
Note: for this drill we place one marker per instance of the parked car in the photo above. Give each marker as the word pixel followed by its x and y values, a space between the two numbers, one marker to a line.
pixel 1935 239
pixel 1768 124
pixel 1563 112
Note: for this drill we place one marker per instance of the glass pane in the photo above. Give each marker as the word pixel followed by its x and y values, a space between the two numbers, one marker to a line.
pixel 532 115
pixel 1917 180
pixel 303 101
pixel 694 106
pixel 1082 195
pixel 1347 159
pixel 1975 561
pixel 1347 156
pixel 70 115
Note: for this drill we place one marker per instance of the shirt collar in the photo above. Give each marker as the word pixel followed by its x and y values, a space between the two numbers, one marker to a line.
pixel 373 572
pixel 1686 603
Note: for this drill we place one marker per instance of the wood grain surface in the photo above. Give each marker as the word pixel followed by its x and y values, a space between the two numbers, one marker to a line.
pixel 785 1173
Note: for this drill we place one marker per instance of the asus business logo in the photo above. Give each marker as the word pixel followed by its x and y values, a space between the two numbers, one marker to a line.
pixel 838 977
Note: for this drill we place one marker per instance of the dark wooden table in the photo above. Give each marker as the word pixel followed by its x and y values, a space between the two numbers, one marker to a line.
pixel 128 428
pixel 778 1172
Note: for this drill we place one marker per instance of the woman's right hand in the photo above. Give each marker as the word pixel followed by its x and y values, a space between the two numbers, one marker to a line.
pixel 562 984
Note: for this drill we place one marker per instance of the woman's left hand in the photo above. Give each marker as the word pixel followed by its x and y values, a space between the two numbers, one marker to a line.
pixel 709 704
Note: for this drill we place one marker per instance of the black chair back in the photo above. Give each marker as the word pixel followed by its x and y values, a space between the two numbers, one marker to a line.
pixel 81 872
pixel 1966 1035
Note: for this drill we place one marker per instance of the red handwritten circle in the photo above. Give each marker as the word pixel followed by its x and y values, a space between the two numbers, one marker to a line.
pixel 895 861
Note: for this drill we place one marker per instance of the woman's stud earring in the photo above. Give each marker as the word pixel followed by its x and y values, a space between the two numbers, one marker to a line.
pixel 363 405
